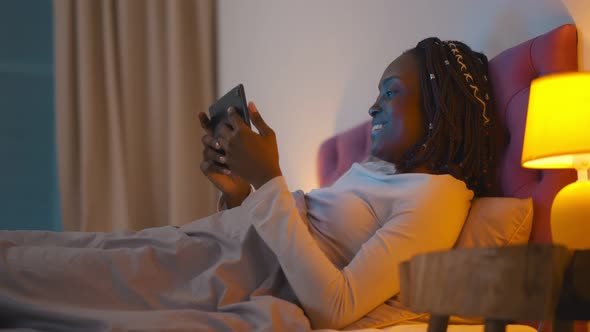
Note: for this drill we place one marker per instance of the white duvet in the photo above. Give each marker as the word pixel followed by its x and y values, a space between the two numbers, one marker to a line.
pixel 205 276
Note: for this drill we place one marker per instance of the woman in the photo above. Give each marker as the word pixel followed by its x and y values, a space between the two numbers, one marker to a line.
pixel 334 251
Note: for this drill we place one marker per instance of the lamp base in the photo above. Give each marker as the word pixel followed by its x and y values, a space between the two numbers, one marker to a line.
pixel 570 216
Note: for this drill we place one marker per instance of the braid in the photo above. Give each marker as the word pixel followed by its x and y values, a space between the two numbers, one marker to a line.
pixel 459 108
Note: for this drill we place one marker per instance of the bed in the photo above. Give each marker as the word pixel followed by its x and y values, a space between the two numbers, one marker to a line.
pixel 511 72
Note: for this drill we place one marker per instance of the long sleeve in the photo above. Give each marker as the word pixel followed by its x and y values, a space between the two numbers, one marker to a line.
pixel 334 298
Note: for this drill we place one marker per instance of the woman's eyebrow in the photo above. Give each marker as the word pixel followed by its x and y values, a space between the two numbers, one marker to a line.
pixel 386 81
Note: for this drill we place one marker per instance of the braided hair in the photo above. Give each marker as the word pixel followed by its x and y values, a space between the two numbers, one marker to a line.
pixel 460 113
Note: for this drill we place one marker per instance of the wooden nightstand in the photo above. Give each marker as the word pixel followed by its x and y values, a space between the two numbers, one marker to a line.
pixel 533 283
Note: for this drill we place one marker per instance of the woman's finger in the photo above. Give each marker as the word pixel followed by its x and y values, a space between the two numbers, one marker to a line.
pixel 223 140
pixel 205 123
pixel 224 130
pixel 212 155
pixel 235 120
pixel 258 122
pixel 208 167
pixel 210 141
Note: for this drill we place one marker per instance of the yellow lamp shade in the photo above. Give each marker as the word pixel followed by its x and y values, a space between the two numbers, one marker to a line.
pixel 557 133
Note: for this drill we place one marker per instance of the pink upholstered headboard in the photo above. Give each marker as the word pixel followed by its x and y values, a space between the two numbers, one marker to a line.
pixel 511 73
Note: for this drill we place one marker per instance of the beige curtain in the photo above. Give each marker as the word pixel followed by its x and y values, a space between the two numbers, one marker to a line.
pixel 131 76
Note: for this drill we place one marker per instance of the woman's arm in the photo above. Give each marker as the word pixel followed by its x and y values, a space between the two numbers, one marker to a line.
pixel 334 298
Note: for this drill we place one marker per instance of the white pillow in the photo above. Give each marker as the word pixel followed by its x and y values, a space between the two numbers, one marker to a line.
pixel 497 222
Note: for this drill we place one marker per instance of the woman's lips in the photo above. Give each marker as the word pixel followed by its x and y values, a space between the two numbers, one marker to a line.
pixel 377 127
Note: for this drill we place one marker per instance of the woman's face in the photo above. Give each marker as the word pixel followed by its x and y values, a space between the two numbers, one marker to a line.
pixel 398 122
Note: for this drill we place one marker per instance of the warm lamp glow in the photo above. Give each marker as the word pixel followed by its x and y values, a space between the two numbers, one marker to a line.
pixel 557 131
pixel 557 135
pixel 569 216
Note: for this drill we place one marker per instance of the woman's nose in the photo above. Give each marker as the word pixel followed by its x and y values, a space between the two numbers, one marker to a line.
pixel 374 110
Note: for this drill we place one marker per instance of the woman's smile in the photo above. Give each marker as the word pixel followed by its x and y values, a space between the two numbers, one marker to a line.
pixel 377 127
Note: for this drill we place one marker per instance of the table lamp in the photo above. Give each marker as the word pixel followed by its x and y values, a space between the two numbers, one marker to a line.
pixel 557 135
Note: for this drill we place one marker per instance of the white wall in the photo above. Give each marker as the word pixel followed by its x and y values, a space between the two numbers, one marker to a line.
pixel 580 12
pixel 313 66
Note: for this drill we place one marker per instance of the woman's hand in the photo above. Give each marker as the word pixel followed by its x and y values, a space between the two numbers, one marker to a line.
pixel 233 187
pixel 254 157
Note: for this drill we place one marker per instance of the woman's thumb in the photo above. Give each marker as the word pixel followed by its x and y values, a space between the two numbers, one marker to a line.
pixel 257 120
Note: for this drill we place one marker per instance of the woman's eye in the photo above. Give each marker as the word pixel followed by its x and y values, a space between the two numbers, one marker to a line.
pixel 390 93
